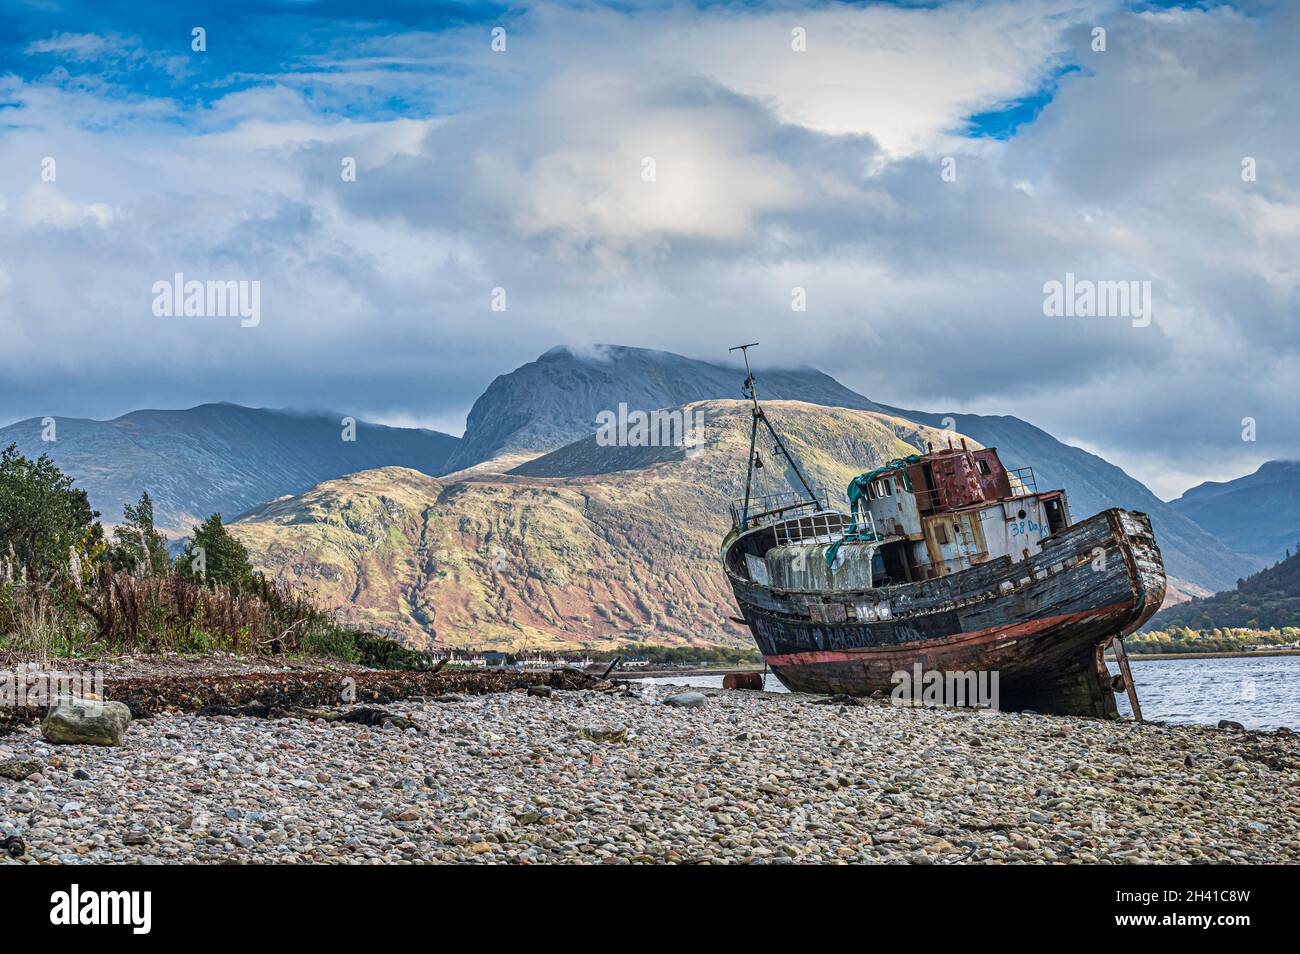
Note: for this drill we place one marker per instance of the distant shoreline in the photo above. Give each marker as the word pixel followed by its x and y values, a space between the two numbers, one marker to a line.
pixel 683 671
pixel 1235 654
pixel 1133 657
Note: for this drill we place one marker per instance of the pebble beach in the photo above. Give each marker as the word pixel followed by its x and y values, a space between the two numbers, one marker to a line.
pixel 616 776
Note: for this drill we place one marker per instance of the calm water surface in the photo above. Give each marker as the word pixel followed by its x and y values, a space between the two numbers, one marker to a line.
pixel 1260 692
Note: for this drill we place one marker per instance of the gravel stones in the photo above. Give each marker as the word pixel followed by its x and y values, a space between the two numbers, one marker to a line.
pixel 751 777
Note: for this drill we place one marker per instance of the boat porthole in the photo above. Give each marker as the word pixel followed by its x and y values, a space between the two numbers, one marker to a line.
pixel 1021 515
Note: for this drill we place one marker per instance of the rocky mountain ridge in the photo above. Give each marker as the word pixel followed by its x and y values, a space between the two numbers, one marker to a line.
pixel 217 458
pixel 1257 514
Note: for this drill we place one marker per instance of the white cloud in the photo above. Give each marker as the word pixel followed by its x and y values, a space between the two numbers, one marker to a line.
pixel 79 46
pixel 905 77
pixel 44 206
pixel 773 170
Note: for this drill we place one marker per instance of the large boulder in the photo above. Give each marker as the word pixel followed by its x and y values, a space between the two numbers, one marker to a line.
pixel 75 721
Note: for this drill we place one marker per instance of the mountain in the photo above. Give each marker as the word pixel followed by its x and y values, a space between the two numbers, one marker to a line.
pixel 626 552
pixel 226 458
pixel 217 458
pixel 554 400
pixel 1257 514
pixel 1265 600
pixel 549 402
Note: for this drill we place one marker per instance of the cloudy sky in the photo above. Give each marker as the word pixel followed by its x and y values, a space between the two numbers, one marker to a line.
pixel 774 169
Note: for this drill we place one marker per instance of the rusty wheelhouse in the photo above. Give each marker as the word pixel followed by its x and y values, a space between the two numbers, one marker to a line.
pixel 947 561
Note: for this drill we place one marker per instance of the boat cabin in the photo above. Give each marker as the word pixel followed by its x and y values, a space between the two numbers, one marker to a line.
pixel 919 518
pixel 951 509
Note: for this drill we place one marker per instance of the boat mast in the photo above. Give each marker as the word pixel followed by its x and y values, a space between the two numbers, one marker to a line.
pixel 757 415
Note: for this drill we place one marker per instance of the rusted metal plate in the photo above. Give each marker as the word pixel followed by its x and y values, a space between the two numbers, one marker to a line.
pixel 991 474
pixel 956 479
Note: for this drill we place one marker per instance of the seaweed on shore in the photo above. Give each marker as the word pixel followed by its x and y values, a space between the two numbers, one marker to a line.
pixel 262 694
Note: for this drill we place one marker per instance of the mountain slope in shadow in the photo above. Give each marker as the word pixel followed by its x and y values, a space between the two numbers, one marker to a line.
pixel 1257 514
pixel 218 458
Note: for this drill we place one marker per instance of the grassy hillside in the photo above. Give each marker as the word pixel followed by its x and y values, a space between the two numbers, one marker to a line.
pixel 531 561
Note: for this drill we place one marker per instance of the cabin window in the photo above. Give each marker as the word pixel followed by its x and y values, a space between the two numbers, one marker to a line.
pixel 984 467
pixel 871 490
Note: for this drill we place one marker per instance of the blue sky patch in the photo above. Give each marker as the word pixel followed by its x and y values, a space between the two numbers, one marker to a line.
pixel 1004 121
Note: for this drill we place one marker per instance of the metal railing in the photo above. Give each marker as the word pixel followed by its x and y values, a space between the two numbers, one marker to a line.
pixel 784 506
pixel 769 508
pixel 818 528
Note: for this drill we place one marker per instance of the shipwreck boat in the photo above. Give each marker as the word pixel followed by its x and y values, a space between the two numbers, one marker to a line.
pixel 946 562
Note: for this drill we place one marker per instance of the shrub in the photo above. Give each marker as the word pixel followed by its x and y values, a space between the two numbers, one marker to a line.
pixel 331 642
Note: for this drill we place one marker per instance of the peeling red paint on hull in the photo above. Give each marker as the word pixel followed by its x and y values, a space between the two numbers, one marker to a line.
pixel 1050 665
pixel 944 646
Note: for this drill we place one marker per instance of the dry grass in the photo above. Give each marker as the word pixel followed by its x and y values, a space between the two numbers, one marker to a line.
pixel 174 612
pixel 31 631
pixel 119 612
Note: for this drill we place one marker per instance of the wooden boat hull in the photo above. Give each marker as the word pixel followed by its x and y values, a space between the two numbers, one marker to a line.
pixel 1041 624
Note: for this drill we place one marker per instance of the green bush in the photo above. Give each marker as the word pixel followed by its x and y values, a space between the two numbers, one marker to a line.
pixel 377 652
pixel 330 642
